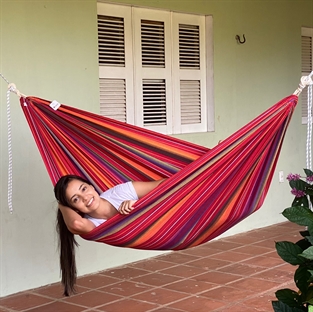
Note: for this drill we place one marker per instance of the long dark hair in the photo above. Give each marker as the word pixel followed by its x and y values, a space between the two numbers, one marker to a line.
pixel 67 241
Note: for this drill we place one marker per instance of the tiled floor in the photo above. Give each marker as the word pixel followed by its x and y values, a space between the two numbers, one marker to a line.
pixel 237 273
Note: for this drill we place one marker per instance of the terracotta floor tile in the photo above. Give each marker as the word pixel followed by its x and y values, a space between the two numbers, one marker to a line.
pixel 128 305
pixel 216 277
pixel 244 239
pixel 254 284
pixel 92 299
pixel 190 286
pixel 231 256
pixel 236 308
pixel 152 265
pixel 223 245
pixel 168 309
pixel 124 272
pixel 276 275
pixel 183 271
pixel 209 263
pixel 156 279
pixel 201 251
pixel 23 301
pixel 253 250
pixel 268 243
pixel 58 306
pixel 96 281
pixel 178 258
pixel 126 288
pixel 237 273
pixel 227 293
pixel 291 237
pixel 197 304
pixel 160 296
pixel 242 269
pixel 261 303
pixel 263 261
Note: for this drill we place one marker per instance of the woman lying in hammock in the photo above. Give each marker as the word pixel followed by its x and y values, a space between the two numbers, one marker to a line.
pixel 81 209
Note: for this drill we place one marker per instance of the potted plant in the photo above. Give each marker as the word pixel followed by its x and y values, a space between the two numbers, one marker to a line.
pixel 299 254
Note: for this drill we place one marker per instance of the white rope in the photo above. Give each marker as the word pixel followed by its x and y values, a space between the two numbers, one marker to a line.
pixel 309 131
pixel 11 88
pixel 304 82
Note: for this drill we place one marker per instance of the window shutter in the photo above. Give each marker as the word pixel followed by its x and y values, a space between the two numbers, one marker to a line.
pixel 115 62
pixel 189 70
pixel 306 67
pixel 154 102
pixel 111 41
pixel 152 44
pixel 189 46
pixel 113 98
pixel 190 100
pixel 152 71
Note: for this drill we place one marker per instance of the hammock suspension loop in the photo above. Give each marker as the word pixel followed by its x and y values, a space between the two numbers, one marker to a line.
pixel 304 82
pixel 11 88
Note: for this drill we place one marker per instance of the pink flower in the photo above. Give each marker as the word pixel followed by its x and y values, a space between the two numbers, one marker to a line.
pixel 309 178
pixel 293 177
pixel 297 193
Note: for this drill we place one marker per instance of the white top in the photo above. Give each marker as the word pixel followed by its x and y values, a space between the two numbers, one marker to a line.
pixel 115 196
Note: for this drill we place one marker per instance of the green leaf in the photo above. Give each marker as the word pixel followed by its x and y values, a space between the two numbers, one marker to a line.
pixel 307 253
pixel 299 215
pixel 308 172
pixel 289 252
pixel 309 294
pixel 309 238
pixel 289 297
pixel 298 184
pixel 303 244
pixel 300 202
pixel 279 306
pixel 301 277
pixel 304 234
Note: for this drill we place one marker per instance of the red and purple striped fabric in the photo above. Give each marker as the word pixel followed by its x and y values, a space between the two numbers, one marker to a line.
pixel 207 191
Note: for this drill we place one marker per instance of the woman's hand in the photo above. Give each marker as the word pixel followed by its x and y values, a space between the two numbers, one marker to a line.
pixel 126 207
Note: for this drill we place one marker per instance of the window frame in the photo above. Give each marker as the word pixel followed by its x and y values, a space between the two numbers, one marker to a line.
pixel 305 32
pixel 134 73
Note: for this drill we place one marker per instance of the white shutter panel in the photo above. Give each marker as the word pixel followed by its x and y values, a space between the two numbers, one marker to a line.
pixel 190 101
pixel 113 98
pixel 111 47
pixel 152 44
pixel 115 62
pixel 189 46
pixel 152 52
pixel 154 102
pixel 306 67
pixel 189 72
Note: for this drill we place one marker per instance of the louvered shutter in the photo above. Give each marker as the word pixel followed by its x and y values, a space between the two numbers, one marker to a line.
pixel 115 62
pixel 306 66
pixel 155 68
pixel 153 81
pixel 190 73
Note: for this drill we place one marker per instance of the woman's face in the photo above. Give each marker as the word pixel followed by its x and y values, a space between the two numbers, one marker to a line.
pixel 82 196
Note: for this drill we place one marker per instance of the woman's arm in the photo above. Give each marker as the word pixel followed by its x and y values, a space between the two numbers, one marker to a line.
pixel 143 188
pixel 74 222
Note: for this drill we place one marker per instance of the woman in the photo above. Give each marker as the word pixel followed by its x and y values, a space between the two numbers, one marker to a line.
pixel 81 209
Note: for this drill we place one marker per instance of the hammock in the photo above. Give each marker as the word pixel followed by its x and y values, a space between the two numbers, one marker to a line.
pixel 207 191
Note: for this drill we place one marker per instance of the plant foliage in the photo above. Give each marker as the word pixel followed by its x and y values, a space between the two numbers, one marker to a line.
pixel 299 254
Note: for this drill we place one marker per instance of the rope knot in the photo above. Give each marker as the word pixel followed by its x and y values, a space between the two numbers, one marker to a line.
pixel 12 88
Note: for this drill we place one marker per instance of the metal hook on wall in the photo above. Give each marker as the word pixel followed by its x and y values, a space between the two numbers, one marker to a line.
pixel 239 40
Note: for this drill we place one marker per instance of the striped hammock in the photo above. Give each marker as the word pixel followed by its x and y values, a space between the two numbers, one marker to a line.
pixel 207 191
